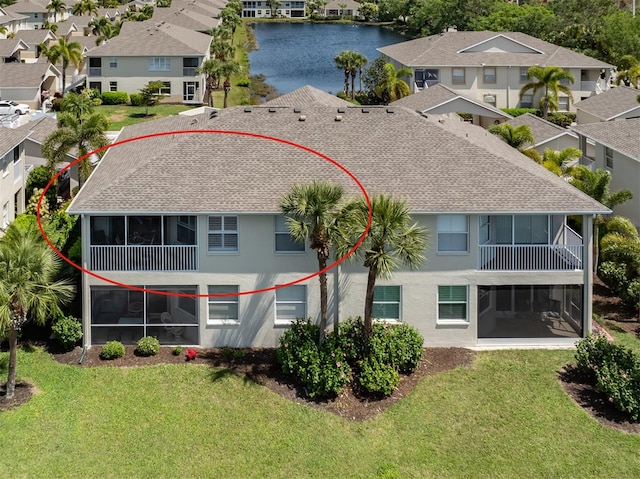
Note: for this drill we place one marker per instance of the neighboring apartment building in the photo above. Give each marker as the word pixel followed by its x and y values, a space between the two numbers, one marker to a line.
pixel 149 51
pixel 617 149
pixel 615 104
pixel 12 22
pixel 492 67
pixel 36 13
pixel 12 174
pixel 186 215
pixel 272 9
pixel 29 82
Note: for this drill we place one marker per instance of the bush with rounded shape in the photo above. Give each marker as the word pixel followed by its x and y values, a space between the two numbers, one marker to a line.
pixel 378 378
pixel 67 331
pixel 136 99
pixel 115 98
pixel 177 351
pixel 148 346
pixel 112 350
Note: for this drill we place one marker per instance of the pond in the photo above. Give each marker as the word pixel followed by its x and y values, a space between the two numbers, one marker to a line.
pixel 292 55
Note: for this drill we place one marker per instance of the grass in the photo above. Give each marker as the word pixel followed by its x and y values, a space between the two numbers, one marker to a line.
pixel 125 115
pixel 507 416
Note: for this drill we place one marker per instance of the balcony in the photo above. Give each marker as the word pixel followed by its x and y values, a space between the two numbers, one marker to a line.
pixel 530 257
pixel 95 72
pixel 188 71
pixel 143 258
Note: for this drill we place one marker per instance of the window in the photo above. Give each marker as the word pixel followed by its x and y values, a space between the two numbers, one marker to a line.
pixel 186 229
pixel 189 91
pixel 113 86
pixel 284 241
pixel 224 309
pixel 223 233
pixel 386 302
pixel 5 215
pixel 166 88
pixel 524 72
pixel 458 76
pixel 608 158
pixel 291 303
pixel 490 99
pixel 159 64
pixel 526 101
pixel 113 63
pixel 189 66
pixel 485 229
pixel 563 103
pixel 489 74
pixel 452 303
pixel 4 164
pixel 453 233
pixel 95 85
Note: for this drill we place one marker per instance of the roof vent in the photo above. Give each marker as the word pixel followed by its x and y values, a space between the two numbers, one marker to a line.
pixel 247 109
pixel 342 110
pixel 213 114
pixel 272 109
pixel 302 117
pixel 365 110
pixel 390 110
pixel 338 117
pixel 297 110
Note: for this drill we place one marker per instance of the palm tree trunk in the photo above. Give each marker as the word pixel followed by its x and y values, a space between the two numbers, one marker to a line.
pixel 368 304
pixel 11 378
pixel 353 84
pixel 227 88
pixel 322 277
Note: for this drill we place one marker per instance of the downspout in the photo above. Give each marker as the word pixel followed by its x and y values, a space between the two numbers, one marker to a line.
pixel 84 353
pixel 336 299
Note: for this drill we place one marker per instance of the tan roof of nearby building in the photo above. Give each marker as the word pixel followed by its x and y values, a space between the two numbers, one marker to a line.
pixel 185 18
pixel 446 166
pixel 611 103
pixel 9 46
pixel 40 128
pixel 446 50
pixel 28 6
pixel 439 94
pixel 541 129
pixel 619 135
pixel 26 75
pixel 138 39
pixel 307 96
pixel 34 37
pixel 10 138
pixel 196 6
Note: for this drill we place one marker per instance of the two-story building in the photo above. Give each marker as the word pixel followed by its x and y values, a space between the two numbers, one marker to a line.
pixel 189 219
pixel 272 9
pixel 12 176
pixel 492 66
pixel 145 52
pixel 37 14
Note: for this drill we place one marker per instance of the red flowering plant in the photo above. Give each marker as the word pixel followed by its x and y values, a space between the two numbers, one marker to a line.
pixel 191 354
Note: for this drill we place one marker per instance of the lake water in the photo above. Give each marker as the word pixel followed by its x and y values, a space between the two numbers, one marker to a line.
pixel 292 55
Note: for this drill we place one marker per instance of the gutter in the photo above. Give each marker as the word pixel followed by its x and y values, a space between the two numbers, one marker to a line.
pixel 84 353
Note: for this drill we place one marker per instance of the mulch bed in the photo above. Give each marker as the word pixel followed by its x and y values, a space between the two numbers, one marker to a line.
pixel 24 392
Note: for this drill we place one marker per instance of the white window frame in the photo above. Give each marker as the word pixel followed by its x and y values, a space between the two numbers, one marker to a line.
pixel 444 302
pixel 223 232
pixel 165 89
pixel 484 229
pixel 5 215
pixel 445 227
pixel 280 229
pixel 278 303
pixel 113 63
pixel 524 74
pixel 113 84
pixel 385 302
pixel 458 79
pixel 486 78
pixel 608 158
pixel 159 64
pixel 528 103
pixel 561 103
pixel 223 300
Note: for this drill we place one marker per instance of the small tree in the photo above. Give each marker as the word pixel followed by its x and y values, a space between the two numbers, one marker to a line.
pixel 151 95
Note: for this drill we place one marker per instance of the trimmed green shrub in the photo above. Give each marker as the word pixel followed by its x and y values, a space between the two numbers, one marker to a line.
pixel 520 111
pixel 115 98
pixel 177 351
pixel 147 346
pixel 96 101
pixel 244 82
pixel 563 119
pixel 621 384
pixel 617 277
pixel 136 99
pixel 67 331
pixel 378 378
pixel 112 350
pixel 404 347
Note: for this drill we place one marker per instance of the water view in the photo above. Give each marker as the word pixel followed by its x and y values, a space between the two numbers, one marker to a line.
pixel 292 55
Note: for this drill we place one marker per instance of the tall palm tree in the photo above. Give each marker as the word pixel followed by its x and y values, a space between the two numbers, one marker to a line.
pixel 392 87
pixel 231 18
pixel 222 49
pixel 85 6
pixel 392 240
pixel 227 69
pixel 360 61
pixel 549 80
pixel 78 105
pixel 58 6
pixel 596 184
pixel 345 61
pixel 515 136
pixel 68 52
pixel 211 68
pixel 28 289
pixel 82 134
pixel 101 27
pixel 558 162
pixel 311 212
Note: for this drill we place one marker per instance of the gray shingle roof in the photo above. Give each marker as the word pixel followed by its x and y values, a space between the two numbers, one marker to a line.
pixel 40 128
pixel 185 18
pixel 439 94
pixel 443 50
pixel 28 6
pixel 34 37
pixel 438 167
pixel 620 135
pixel 153 38
pixel 10 138
pixel 27 75
pixel 11 45
pixel 541 129
pixel 611 103
pixel 307 96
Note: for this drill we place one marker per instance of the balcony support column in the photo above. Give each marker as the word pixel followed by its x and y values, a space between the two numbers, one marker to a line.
pixel 588 271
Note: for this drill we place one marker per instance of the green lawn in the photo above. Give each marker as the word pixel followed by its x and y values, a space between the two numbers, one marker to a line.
pixel 507 416
pixel 125 115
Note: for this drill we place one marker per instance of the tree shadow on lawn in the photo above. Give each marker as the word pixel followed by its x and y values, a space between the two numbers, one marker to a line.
pixel 141 115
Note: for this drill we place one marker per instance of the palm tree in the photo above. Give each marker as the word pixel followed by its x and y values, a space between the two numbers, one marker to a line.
pixel 80 106
pixel 548 79
pixel 311 212
pixel 392 240
pixel 84 134
pixel 360 61
pixel 558 162
pixel 227 69
pixel 58 6
pixel 232 19
pixel 628 71
pixel 3 30
pixel 222 49
pixel 211 68
pixel 392 87
pixel 101 28
pixel 344 62
pixel 515 136
pixel 85 6
pixel 27 287
pixel 68 52
pixel 596 184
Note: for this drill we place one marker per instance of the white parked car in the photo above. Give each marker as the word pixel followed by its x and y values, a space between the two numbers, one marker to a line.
pixel 8 107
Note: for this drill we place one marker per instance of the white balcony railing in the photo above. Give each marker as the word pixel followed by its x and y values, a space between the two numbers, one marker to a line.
pixel 143 258
pixel 530 257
